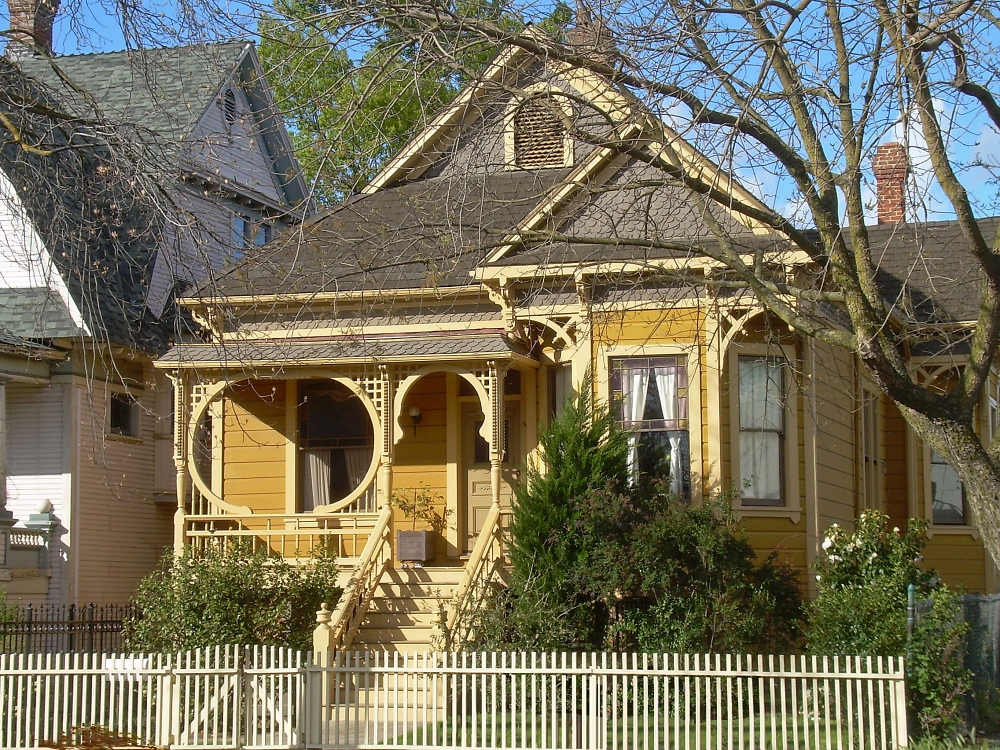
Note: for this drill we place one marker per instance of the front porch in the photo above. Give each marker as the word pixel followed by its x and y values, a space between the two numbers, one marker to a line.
pixel 312 458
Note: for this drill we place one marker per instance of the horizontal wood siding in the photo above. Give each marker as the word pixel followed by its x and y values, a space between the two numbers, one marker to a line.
pixel 38 467
pixel 233 151
pixel 786 539
pixel 421 461
pixel 897 503
pixel 121 532
pixel 254 446
pixel 836 480
pixel 959 559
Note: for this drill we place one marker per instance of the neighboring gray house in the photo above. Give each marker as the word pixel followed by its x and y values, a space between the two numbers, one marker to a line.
pixel 124 178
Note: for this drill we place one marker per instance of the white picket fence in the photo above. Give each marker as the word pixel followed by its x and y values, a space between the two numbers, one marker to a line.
pixel 257 698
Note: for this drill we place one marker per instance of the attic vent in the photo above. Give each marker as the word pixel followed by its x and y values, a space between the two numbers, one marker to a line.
pixel 229 106
pixel 539 136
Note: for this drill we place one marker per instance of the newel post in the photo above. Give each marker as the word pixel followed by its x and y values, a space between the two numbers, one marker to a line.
pixel 321 688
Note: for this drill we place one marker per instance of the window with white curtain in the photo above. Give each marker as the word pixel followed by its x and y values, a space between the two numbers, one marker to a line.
pixel 947 493
pixel 650 395
pixel 762 430
pixel 336 441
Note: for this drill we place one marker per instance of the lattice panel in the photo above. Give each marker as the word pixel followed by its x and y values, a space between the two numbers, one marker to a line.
pixel 539 136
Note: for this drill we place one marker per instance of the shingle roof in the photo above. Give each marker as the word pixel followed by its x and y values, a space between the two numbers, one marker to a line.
pixel 36 313
pixel 428 233
pixel 928 269
pixel 91 206
pixel 162 92
pixel 379 348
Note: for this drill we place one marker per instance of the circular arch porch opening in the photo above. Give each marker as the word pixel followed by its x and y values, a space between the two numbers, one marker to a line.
pixel 336 442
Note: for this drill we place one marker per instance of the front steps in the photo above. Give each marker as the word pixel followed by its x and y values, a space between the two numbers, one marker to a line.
pixel 407 609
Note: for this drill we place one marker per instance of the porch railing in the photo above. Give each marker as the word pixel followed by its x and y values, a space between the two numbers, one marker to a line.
pixel 267 698
pixel 290 536
pixel 482 572
pixel 376 558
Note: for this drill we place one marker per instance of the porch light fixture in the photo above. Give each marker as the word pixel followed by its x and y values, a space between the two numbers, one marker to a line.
pixel 416 417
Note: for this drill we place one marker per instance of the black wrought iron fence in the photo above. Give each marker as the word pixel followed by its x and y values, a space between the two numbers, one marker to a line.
pixel 60 629
pixel 982 648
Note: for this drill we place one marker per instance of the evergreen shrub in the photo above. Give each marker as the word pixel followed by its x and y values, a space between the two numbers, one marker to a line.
pixel 231 596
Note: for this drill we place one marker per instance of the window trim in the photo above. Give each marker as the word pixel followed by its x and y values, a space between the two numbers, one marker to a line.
pixel 605 354
pixel 557 97
pixel 792 506
pixel 968 528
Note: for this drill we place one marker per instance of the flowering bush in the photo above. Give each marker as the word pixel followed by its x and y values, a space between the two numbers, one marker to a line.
pixel 861 610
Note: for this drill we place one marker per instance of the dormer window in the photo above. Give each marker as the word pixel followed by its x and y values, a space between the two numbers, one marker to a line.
pixel 536 134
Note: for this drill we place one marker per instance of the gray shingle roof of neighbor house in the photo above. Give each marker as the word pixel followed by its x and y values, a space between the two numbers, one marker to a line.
pixel 250 354
pixel 87 205
pixel 164 92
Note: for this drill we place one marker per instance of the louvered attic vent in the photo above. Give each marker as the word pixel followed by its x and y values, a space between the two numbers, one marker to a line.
pixel 539 136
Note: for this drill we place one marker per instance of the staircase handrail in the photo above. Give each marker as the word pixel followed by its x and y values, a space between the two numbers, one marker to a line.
pixel 482 569
pixel 353 605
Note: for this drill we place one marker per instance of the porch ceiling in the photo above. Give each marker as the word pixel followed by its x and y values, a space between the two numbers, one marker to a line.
pixel 338 350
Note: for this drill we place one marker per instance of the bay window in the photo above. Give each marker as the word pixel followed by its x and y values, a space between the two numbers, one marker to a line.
pixel 650 395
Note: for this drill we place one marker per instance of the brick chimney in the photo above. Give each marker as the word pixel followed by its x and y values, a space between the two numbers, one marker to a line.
pixel 891 167
pixel 591 38
pixel 31 26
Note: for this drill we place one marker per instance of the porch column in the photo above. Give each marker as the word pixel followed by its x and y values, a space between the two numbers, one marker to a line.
pixel 496 376
pixel 180 458
pixel 388 416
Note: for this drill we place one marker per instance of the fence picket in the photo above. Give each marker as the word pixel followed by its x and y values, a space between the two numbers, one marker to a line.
pixel 268 697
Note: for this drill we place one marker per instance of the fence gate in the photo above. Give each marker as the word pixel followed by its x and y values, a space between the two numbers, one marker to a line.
pixel 264 698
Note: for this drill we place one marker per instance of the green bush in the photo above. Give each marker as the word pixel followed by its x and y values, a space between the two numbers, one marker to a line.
pixel 599 564
pixel 231 596
pixel 582 449
pixel 861 609
pixel 678 576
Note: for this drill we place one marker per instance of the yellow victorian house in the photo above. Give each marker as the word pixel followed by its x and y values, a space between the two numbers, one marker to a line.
pixel 412 343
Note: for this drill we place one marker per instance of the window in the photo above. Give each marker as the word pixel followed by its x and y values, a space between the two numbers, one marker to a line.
pixel 560 388
pixel 650 396
pixel 229 106
pixel 124 415
pixel 761 430
pixel 336 440
pixel 247 233
pixel 870 465
pixel 537 136
pixel 947 493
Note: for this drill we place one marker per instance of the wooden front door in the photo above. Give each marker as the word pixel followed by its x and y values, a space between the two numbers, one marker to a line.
pixel 476 458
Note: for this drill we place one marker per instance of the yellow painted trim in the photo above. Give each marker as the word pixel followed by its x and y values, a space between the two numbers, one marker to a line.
pixel 692 354
pixel 320 297
pixel 291 334
pixel 453 453
pixel 258 367
pixel 809 399
pixel 578 178
pixel 508 125
pixel 292 445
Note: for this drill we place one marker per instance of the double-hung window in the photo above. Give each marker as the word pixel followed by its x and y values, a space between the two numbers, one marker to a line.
pixel 947 493
pixel 650 395
pixel 762 430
